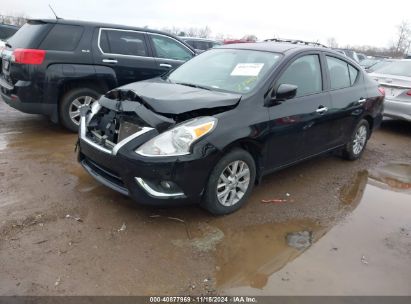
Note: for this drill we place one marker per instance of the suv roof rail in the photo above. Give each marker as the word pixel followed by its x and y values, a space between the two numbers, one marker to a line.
pixel 295 41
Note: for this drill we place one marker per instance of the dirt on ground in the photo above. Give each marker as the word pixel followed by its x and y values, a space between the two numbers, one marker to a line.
pixel 333 226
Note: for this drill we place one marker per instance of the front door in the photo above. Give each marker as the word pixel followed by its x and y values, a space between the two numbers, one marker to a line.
pixel 299 126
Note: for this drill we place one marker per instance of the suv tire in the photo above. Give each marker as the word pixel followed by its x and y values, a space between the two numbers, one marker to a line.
pixel 358 140
pixel 70 103
pixel 226 191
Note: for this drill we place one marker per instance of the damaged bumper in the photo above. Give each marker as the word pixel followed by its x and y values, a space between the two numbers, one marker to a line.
pixel 148 180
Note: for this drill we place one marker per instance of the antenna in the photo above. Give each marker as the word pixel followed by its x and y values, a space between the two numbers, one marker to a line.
pixel 57 17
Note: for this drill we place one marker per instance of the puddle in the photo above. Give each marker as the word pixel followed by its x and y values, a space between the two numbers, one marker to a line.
pixel 366 253
pixel 396 176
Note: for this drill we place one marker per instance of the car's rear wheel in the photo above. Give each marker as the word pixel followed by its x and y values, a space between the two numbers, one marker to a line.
pixel 230 183
pixel 356 146
pixel 71 103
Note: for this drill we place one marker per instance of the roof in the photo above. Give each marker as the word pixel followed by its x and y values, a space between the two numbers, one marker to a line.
pixel 99 24
pixel 275 47
pixel 196 38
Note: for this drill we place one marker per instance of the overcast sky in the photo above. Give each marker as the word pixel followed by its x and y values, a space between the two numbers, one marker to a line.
pixel 353 22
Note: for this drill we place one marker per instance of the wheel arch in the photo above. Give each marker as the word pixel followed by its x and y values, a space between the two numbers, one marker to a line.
pixel 253 147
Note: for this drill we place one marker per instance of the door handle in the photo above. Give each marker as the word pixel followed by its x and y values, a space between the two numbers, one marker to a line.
pixel 321 110
pixel 110 60
pixel 362 100
pixel 166 65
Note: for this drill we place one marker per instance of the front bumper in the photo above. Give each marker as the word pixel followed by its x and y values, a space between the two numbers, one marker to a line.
pixel 133 175
pixel 397 109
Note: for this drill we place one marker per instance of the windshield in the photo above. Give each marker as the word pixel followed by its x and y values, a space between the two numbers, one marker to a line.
pixel 229 70
pixel 399 68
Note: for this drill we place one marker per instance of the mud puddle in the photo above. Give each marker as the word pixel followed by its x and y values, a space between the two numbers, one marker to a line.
pixel 366 253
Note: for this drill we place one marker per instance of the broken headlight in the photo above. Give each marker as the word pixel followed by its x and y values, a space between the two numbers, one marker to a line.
pixel 179 139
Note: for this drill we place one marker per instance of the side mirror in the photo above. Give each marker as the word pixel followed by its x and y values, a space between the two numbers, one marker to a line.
pixel 285 91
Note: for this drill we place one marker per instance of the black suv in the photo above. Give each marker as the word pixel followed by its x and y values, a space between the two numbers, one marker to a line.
pixel 54 67
pixel 209 130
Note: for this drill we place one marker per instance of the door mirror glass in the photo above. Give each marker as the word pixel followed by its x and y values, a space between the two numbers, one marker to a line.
pixel 285 91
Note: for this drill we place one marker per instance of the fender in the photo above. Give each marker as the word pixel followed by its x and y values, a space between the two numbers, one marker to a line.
pixel 58 75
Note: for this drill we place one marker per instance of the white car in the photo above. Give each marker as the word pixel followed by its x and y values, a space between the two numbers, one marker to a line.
pixel 395 78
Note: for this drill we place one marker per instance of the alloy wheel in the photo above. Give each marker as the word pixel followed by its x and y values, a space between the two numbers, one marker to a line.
pixel 74 110
pixel 233 183
pixel 360 139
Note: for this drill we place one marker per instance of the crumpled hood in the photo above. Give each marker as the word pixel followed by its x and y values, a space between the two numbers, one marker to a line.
pixel 170 98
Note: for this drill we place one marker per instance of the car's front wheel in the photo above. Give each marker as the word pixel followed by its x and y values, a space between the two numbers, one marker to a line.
pixel 71 103
pixel 356 146
pixel 230 183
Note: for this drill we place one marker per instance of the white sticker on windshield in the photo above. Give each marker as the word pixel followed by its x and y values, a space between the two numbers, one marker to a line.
pixel 247 69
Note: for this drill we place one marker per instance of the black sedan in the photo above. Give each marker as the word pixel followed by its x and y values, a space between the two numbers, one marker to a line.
pixel 208 131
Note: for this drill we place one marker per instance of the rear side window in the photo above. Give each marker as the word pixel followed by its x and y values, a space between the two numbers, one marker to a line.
pixel 342 74
pixel 305 73
pixel 123 43
pixel 29 35
pixel 6 32
pixel 168 48
pixel 62 37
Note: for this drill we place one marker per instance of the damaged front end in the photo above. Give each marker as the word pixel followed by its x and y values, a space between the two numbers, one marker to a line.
pixel 121 140
pixel 118 117
pixel 122 115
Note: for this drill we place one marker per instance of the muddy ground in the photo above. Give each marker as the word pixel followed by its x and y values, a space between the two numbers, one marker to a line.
pixel 345 227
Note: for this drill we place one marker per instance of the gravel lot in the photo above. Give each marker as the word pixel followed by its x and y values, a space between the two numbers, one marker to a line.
pixel 62 233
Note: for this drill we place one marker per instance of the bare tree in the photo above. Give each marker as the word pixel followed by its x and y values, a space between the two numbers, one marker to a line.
pixel 17 20
pixel 332 42
pixel 403 40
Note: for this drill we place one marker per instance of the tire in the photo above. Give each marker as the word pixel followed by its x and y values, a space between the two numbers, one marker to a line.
pixel 358 141
pixel 69 104
pixel 211 202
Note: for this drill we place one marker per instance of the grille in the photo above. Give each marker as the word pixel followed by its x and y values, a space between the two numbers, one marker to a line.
pixel 107 128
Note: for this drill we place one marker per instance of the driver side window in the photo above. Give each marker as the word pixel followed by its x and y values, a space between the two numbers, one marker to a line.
pixel 305 73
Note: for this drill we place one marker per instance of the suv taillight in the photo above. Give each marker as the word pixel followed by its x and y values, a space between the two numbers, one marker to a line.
pixel 409 93
pixel 382 91
pixel 29 56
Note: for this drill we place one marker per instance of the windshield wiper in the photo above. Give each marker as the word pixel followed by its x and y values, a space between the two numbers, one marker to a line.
pixel 193 85
pixel 8 44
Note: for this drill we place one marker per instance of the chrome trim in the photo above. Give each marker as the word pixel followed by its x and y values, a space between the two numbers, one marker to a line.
pixel 161 155
pixel 153 192
pixel 117 147
pixel 95 108
pixel 129 138
pixel 84 138
pixel 136 56
pixel 392 85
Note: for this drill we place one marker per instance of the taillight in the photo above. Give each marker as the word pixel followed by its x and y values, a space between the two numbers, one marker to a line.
pixel 29 56
pixel 382 91
pixel 409 93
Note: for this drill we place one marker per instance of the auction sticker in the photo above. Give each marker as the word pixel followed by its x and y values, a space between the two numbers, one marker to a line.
pixel 247 69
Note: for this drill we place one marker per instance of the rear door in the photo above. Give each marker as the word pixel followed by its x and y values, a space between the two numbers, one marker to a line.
pixel 299 126
pixel 348 97
pixel 168 52
pixel 126 52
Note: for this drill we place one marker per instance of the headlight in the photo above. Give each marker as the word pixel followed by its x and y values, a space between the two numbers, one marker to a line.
pixel 178 140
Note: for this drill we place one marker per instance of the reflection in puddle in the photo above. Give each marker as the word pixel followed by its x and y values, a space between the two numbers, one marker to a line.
pixel 250 257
